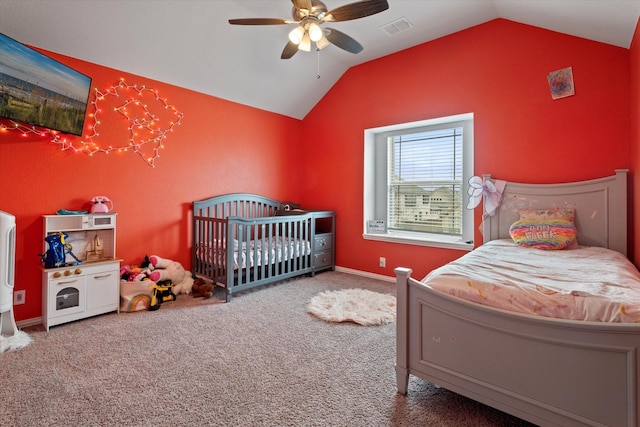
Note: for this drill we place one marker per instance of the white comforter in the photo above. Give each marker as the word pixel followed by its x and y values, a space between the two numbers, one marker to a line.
pixel 582 283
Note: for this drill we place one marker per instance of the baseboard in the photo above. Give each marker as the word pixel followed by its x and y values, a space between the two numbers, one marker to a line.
pixel 366 274
pixel 29 322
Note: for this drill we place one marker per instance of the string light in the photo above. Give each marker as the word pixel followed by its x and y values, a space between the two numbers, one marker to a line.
pixel 145 122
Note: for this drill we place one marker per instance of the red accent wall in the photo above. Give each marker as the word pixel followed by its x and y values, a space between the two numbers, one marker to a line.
pixel 498 71
pixel 221 147
pixel 634 90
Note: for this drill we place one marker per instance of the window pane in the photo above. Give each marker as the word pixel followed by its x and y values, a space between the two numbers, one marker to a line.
pixel 425 181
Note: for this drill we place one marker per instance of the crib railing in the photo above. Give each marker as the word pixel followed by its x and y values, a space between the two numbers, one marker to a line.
pixel 269 249
pixel 209 253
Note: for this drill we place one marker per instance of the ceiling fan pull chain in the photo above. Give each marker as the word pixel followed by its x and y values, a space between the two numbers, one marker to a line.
pixel 318 75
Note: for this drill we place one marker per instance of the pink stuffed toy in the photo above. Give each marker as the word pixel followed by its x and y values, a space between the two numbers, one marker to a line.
pixel 132 273
pixel 166 269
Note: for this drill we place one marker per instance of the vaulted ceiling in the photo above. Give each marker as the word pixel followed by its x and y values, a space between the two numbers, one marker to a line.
pixel 189 43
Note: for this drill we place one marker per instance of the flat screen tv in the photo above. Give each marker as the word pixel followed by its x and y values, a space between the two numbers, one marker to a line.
pixel 41 91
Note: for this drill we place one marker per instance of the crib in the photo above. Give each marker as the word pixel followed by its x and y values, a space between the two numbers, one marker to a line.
pixel 242 241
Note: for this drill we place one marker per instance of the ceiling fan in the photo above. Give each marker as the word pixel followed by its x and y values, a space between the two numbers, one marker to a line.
pixel 310 15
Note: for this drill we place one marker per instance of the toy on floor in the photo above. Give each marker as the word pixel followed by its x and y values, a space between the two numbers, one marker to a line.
pixel 133 273
pixel 166 269
pixel 161 293
pixel 201 288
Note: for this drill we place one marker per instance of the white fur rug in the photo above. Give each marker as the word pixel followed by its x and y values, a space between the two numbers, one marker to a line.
pixel 354 305
pixel 18 340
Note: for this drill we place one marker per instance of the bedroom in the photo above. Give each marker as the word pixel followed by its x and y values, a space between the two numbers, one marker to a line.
pixel 505 89
pixel 519 129
pixel 520 132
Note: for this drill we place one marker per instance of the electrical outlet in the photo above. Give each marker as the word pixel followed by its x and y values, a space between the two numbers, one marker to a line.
pixel 19 297
pixel 383 262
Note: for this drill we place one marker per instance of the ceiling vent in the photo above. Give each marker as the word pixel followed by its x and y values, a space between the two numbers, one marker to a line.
pixel 397 26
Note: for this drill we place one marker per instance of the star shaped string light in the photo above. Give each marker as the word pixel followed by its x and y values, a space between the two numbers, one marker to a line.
pixel 147 129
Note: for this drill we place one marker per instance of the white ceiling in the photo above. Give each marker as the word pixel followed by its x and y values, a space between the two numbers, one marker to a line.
pixel 189 43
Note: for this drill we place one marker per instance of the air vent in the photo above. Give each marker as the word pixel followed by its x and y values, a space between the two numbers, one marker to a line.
pixel 397 26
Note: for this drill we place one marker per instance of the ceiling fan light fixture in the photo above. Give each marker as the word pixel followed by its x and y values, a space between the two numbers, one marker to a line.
pixel 315 33
pixel 323 42
pixel 305 43
pixel 309 15
pixel 296 35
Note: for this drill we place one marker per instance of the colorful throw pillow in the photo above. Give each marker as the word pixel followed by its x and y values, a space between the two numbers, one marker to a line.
pixel 551 213
pixel 547 234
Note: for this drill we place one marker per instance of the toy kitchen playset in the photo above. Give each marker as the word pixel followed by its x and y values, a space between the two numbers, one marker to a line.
pixel 81 274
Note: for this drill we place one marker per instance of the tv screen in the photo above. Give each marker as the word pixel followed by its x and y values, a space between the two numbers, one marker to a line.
pixel 38 90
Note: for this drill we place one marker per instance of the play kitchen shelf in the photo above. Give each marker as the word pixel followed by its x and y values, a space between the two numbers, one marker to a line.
pixel 87 282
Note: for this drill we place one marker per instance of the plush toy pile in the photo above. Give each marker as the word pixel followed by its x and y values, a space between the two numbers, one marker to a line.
pixel 158 269
pixel 156 280
pixel 165 269
pixel 133 273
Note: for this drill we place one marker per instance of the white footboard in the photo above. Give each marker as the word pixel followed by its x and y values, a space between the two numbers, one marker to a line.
pixel 547 371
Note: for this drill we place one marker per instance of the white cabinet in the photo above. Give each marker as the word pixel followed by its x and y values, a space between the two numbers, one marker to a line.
pixel 88 282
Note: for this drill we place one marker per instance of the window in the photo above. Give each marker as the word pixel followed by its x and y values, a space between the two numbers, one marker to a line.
pixel 416 181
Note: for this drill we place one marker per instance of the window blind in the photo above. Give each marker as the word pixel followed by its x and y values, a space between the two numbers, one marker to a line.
pixel 425 181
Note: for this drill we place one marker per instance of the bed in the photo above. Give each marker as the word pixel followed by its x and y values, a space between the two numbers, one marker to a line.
pixel 547 370
pixel 242 241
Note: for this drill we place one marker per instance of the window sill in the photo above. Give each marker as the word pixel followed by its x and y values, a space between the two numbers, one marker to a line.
pixel 432 241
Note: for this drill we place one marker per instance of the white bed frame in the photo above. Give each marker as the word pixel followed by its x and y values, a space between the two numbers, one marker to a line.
pixel 547 371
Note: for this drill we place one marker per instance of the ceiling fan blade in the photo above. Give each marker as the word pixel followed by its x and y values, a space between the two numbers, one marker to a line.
pixel 289 50
pixel 343 41
pixel 259 21
pixel 302 4
pixel 356 10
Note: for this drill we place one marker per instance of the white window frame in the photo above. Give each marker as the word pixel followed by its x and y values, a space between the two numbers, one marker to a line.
pixel 375 185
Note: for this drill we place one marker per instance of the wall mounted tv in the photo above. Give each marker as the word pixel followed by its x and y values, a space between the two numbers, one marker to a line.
pixel 38 90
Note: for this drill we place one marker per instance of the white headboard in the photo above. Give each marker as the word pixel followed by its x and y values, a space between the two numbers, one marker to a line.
pixel 600 206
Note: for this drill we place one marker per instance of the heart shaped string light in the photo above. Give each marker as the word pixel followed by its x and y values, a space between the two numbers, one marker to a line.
pixel 149 117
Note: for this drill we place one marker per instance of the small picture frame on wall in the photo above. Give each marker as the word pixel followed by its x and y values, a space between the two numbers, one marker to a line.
pixel 561 83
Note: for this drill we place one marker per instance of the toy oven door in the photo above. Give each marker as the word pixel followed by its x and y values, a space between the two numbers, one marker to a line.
pixel 67 295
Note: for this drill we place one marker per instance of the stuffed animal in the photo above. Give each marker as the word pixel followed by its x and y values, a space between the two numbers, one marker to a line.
pixel 133 273
pixel 166 269
pixel 201 288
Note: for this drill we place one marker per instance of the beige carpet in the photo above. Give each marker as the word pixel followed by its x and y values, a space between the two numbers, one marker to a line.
pixel 260 360
pixel 359 306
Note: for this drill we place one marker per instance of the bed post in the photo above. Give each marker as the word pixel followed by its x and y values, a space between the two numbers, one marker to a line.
pixel 402 328
pixel 618 203
pixel 485 223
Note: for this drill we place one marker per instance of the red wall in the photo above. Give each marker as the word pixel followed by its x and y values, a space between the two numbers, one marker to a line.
pixel 634 90
pixel 221 147
pixel 498 71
